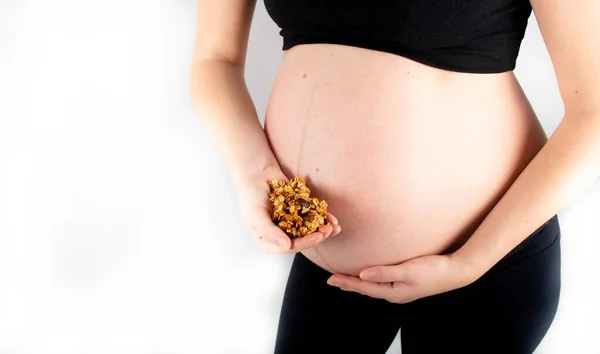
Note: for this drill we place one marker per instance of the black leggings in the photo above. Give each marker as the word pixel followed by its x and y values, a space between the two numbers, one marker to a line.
pixel 508 310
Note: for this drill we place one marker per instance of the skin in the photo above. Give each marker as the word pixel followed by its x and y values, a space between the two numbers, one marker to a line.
pixel 433 175
pixel 410 158
pixel 563 169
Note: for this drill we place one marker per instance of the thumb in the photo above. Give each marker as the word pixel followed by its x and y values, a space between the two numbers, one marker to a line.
pixel 384 274
pixel 271 232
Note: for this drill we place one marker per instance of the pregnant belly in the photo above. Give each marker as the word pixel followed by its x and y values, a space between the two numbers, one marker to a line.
pixel 410 158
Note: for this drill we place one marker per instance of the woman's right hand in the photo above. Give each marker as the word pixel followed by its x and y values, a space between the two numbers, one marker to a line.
pixel 253 197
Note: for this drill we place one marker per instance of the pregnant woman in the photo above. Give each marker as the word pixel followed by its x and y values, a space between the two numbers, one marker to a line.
pixel 406 117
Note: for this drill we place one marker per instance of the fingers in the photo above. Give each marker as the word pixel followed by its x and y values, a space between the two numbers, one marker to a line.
pixel 270 232
pixel 272 239
pixel 331 218
pixel 384 274
pixel 312 239
pixel 336 230
pixel 326 230
pixel 301 243
pixel 351 283
pixel 270 236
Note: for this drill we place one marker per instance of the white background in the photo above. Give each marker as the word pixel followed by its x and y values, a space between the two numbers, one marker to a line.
pixel 119 229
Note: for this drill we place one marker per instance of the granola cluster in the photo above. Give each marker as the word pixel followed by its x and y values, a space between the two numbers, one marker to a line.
pixel 294 211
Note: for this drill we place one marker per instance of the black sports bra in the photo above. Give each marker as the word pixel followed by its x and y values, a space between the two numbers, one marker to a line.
pixel 477 36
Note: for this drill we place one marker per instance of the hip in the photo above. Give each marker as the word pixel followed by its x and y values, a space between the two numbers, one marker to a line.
pixel 507 310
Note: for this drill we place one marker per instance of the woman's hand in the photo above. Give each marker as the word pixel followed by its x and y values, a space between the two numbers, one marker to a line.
pixel 253 197
pixel 411 280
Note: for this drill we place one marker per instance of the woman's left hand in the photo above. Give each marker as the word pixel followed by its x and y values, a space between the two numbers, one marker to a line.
pixel 411 280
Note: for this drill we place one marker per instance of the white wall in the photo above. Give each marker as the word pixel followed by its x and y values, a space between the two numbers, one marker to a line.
pixel 119 231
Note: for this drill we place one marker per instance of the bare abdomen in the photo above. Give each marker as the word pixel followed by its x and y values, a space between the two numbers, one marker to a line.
pixel 410 158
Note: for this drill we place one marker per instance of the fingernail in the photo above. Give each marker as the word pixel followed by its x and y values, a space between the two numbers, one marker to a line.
pixel 366 274
pixel 333 282
pixel 282 242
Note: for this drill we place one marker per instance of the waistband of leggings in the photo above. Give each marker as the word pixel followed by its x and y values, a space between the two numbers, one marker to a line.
pixel 540 239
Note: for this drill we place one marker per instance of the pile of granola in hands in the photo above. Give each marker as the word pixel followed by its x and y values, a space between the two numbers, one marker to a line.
pixel 294 211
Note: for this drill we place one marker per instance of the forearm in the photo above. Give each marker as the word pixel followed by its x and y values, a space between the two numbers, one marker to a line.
pixel 225 109
pixel 567 165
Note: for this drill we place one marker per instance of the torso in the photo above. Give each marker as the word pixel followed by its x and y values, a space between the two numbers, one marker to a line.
pixel 410 158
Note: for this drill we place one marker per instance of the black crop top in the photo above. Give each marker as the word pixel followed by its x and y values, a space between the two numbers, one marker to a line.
pixel 477 36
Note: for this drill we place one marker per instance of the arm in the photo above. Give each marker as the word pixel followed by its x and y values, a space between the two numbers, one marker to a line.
pixel 567 165
pixel 218 89
pixel 569 162
pixel 223 104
